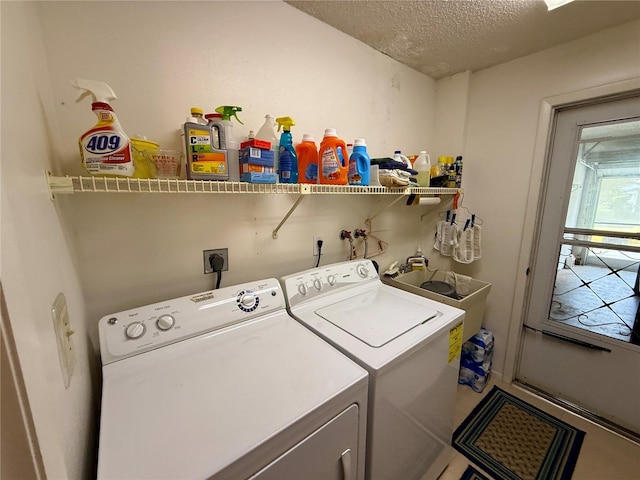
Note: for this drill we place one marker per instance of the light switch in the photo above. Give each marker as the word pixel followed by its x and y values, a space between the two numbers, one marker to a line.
pixel 63 331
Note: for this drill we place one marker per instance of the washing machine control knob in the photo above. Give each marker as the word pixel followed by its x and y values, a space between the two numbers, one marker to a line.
pixel 247 301
pixel 362 271
pixel 302 288
pixel 135 330
pixel 165 322
pixel 332 280
pixel 317 283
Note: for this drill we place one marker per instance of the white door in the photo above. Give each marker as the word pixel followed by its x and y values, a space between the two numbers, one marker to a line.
pixel 581 342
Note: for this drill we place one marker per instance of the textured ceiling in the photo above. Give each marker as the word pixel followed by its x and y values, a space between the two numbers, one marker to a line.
pixel 442 37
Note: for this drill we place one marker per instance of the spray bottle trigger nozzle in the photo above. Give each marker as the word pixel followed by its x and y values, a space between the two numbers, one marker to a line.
pixel 99 91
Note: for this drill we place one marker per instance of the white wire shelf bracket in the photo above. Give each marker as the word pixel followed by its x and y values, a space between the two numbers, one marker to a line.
pixel 78 184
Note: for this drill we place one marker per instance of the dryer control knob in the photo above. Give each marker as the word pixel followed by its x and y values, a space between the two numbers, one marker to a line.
pixel 362 271
pixel 302 288
pixel 317 283
pixel 332 280
pixel 135 330
pixel 165 322
pixel 248 300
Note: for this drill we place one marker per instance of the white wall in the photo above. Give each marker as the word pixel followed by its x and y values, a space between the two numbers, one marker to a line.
pixel 504 107
pixel 36 260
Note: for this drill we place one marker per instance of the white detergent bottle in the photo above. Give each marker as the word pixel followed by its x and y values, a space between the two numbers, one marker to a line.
pixel 105 149
pixel 268 133
pixel 423 166
pixel 399 157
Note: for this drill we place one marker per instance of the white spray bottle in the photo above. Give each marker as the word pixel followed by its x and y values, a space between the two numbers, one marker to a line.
pixel 105 149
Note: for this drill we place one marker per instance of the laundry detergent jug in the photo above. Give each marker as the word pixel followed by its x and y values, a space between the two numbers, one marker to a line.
pixel 333 163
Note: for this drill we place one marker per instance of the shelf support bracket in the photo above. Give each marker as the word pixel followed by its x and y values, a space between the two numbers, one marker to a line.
pixel 58 184
pixel 400 197
pixel 304 190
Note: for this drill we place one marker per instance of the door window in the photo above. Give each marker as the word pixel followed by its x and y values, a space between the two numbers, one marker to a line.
pixel 596 285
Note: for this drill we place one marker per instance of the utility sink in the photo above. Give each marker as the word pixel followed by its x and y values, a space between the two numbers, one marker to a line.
pixel 473 304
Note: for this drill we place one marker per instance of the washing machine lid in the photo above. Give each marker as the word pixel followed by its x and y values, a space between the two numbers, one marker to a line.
pixel 376 317
pixel 377 306
pixel 194 408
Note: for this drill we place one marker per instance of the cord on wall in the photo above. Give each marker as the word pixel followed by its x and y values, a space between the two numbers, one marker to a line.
pixel 217 264
pixel 319 252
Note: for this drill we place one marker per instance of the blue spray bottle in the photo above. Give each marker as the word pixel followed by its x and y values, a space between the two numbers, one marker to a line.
pixel 288 167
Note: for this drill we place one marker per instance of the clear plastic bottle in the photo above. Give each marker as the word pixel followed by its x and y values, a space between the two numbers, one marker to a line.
pixel 423 166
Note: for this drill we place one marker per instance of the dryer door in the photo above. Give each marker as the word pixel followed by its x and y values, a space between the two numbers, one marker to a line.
pixel 331 452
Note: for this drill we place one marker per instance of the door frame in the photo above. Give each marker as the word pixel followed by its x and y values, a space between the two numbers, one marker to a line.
pixel 542 148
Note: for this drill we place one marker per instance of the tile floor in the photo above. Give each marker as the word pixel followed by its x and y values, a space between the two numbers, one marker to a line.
pixel 603 456
pixel 592 297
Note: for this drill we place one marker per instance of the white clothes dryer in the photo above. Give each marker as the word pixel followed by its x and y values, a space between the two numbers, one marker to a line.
pixel 410 346
pixel 226 385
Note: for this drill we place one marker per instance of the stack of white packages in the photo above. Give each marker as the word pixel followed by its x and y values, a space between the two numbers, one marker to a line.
pixel 475 360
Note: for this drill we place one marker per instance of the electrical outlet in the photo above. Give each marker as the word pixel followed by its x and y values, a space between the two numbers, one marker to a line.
pixel 315 244
pixel 207 254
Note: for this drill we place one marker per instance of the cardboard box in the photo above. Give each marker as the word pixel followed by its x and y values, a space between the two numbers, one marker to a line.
pixel 257 156
pixel 256 177
pixel 251 167
pixel 256 143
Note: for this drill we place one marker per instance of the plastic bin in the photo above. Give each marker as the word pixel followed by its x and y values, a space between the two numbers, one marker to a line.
pixel 473 304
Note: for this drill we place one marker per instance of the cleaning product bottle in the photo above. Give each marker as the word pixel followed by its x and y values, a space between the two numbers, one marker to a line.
pixel 267 132
pixel 206 158
pixel 197 113
pixel 417 261
pixel 214 120
pixel 105 149
pixel 359 163
pixel 288 167
pixel 423 166
pixel 451 182
pixel 307 153
pixel 333 165
pixel 458 164
pixel 399 157
pixel 232 145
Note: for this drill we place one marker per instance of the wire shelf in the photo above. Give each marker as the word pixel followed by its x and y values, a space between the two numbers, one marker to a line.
pixel 71 184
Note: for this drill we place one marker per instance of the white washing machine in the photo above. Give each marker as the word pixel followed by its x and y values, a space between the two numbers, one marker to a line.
pixel 410 346
pixel 226 385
